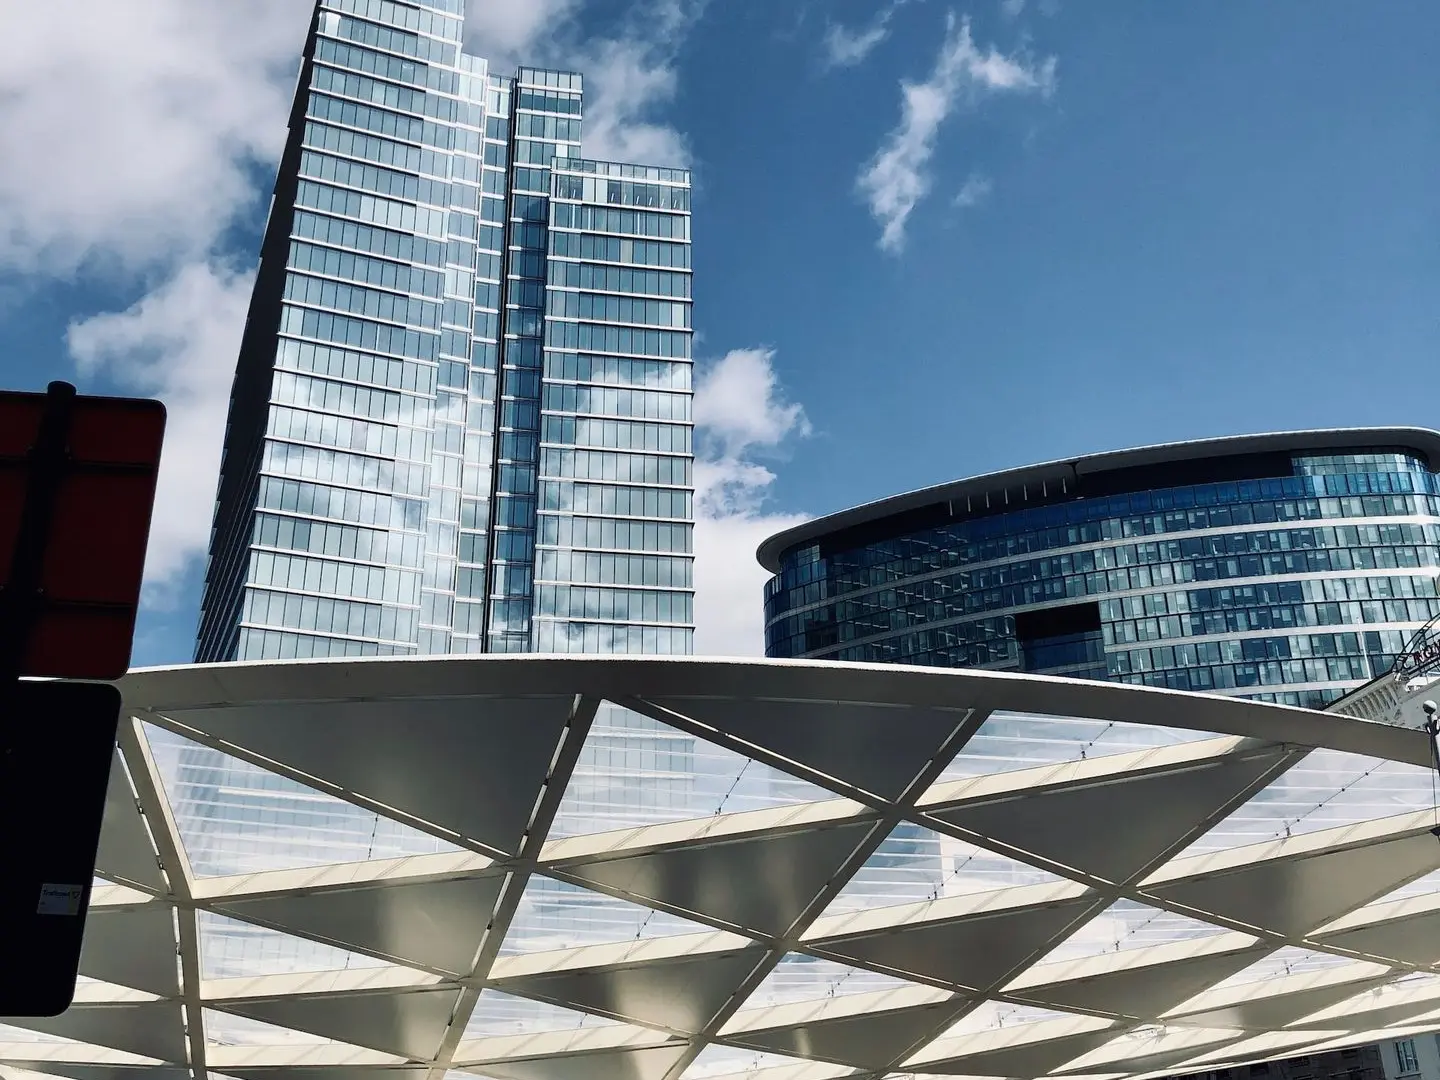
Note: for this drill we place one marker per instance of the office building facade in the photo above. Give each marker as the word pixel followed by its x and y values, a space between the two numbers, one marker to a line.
pixel 1285 568
pixel 460 421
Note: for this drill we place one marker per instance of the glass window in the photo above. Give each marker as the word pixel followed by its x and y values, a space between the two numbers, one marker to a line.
pixel 1406 1058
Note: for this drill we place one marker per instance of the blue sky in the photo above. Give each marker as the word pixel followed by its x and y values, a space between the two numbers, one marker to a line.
pixel 931 239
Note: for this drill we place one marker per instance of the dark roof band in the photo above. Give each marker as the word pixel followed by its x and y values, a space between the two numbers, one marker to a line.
pixel 1096 475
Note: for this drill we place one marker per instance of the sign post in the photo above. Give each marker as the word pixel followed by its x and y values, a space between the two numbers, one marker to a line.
pixel 77 488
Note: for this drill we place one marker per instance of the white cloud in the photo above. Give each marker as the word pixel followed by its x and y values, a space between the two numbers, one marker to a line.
pixel 730 584
pixel 974 191
pixel 845 47
pixel 109 110
pixel 630 71
pixel 740 414
pixel 898 177
pixel 128 131
pixel 630 78
pixel 739 405
pixel 134 136
pixel 627 82
pixel 177 343
pixel 1012 9
pixel 509 32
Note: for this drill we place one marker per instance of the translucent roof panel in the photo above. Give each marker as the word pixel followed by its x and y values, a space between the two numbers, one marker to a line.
pixel 915 864
pixel 800 977
pixel 1325 790
pixel 230 948
pixel 1423 886
pixel 25 1035
pixel 236 818
pixel 1418 993
pixel 1010 741
pixel 637 771
pixel 717 1061
pixel 498 1014
pixel 227 1029
pixel 1128 924
pixel 1291 960
pixel 942 898
pixel 991 1015
pixel 555 914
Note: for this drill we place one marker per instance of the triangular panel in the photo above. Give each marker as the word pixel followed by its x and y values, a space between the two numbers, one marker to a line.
pixel 651 1063
pixel 39 1039
pixel 635 771
pixel 1269 1046
pixel 432 924
pixel 497 1014
pixel 719 1060
pixel 126 851
pixel 1415 939
pixel 554 915
pixel 153 1028
pixel 1128 924
pixel 231 948
pixel 133 947
pixel 972 951
pixel 110 1072
pixel 1324 790
pixel 1010 741
pixel 993 1015
pixel 1029 1057
pixel 1405 999
pixel 1145 816
pixel 229 1029
pixel 1268 1011
pixel 411 1023
pixel 914 864
pixel 802 977
pixel 1148 1050
pixel 1294 896
pixel 1282 963
pixel 784 874
pixel 1142 991
pixel 236 818
pixel 1421 886
pixel 871 1040
pixel 678 994
pixel 878 748
pixel 433 759
pixel 330 1072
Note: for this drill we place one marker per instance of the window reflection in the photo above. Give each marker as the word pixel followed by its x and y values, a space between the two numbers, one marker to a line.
pixel 1287 588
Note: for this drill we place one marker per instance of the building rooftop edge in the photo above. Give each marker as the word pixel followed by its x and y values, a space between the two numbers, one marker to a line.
pixel 773 548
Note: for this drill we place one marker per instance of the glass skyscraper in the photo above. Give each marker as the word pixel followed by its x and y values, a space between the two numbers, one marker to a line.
pixel 460 421
pixel 1286 568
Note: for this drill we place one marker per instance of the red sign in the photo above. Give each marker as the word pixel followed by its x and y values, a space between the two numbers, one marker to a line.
pixel 98 528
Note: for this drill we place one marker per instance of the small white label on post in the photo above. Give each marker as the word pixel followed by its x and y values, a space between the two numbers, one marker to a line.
pixel 60 899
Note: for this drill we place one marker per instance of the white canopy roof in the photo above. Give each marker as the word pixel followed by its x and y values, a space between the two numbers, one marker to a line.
pixel 623 869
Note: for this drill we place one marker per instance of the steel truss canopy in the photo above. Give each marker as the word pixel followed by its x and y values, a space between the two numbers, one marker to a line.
pixel 629 869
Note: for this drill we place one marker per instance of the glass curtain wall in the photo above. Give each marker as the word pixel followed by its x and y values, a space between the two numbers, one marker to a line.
pixel 466 369
pixel 410 350
pixel 1290 588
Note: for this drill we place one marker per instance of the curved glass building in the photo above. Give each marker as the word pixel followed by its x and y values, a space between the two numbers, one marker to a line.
pixel 1287 567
